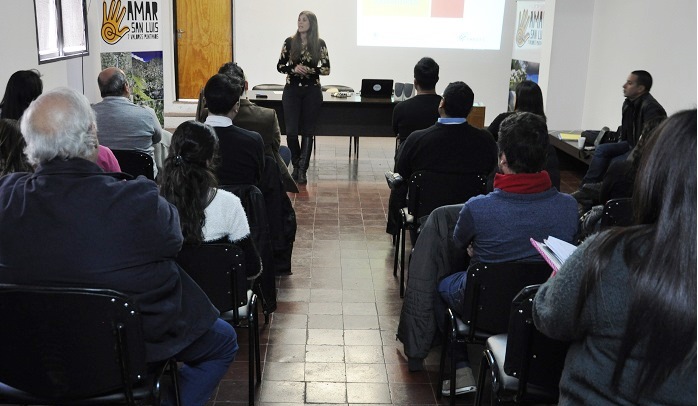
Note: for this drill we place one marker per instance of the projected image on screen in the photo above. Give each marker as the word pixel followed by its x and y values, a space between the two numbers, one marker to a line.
pixel 459 24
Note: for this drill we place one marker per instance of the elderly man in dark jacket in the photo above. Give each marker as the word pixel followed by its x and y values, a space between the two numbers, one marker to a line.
pixel 71 224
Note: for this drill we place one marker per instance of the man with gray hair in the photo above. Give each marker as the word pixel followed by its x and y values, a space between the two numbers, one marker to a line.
pixel 123 124
pixel 72 224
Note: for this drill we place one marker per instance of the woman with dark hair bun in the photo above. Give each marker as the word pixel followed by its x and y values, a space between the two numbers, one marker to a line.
pixel 12 158
pixel 23 87
pixel 206 213
pixel 626 298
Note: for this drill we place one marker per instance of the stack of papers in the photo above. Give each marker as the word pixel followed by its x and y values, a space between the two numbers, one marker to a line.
pixel 569 136
pixel 554 251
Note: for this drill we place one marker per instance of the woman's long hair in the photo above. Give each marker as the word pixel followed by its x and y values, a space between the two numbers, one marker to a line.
pixel 23 87
pixel 12 158
pixel 312 40
pixel 187 179
pixel 660 252
pixel 529 98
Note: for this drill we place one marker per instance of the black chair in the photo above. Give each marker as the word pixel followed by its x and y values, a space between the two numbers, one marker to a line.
pixel 489 291
pixel 219 269
pixel 426 191
pixel 617 212
pixel 255 208
pixel 75 346
pixel 525 365
pixel 135 163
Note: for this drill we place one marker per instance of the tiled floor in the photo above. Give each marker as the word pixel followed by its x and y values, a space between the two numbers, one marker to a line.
pixel 332 338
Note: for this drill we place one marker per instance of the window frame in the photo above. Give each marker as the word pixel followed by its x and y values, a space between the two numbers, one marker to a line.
pixel 61 54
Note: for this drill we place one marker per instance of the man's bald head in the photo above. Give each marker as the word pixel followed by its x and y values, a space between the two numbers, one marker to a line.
pixel 112 82
pixel 60 124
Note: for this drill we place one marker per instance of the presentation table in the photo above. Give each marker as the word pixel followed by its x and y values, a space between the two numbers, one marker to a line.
pixel 351 116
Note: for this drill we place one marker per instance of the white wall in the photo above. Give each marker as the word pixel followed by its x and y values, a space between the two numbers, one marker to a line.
pixel 564 55
pixel 659 37
pixel 261 26
pixel 624 35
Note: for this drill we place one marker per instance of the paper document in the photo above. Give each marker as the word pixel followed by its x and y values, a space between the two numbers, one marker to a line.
pixel 554 251
pixel 569 136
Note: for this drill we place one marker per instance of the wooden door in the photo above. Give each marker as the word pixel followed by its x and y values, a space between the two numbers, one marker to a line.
pixel 204 41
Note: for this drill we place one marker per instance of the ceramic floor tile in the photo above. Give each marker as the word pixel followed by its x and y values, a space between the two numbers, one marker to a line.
pixel 331 340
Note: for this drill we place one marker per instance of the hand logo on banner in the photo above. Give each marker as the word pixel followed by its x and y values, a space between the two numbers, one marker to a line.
pixel 522 33
pixel 112 31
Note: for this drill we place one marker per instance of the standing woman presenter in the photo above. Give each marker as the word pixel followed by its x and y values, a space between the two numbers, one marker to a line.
pixel 303 59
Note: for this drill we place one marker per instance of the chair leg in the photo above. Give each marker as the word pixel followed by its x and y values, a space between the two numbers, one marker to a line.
pixel 254 322
pixel 402 263
pixel 484 366
pixel 397 253
pixel 174 376
pixel 356 147
pixel 442 365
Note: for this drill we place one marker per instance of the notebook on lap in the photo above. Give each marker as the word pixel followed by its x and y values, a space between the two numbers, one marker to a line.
pixel 378 88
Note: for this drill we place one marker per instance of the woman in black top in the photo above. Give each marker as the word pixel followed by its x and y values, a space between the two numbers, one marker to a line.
pixel 529 98
pixel 303 59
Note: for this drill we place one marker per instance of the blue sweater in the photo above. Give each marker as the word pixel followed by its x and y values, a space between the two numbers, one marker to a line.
pixel 500 224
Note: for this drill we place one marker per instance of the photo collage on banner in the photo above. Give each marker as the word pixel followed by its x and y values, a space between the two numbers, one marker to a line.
pixel 131 41
pixel 528 39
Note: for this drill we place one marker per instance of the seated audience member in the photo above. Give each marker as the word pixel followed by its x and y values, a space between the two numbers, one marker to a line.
pixel 206 213
pixel 106 160
pixel 491 228
pixel 12 158
pixel 451 145
pixel 529 98
pixel 639 106
pixel 263 121
pixel 121 124
pixel 626 298
pixel 93 229
pixel 422 110
pixel 241 151
pixel 617 183
pixel 22 88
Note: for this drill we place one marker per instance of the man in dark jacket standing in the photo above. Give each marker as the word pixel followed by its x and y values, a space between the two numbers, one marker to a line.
pixel 71 224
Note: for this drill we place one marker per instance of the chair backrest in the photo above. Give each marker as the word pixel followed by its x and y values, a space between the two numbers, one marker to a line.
pixel 253 202
pixel 134 162
pixel 617 212
pixel 268 86
pixel 69 343
pixel 219 269
pixel 427 190
pixel 531 356
pixel 490 288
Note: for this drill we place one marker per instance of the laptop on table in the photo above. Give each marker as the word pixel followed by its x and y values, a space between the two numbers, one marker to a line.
pixel 377 88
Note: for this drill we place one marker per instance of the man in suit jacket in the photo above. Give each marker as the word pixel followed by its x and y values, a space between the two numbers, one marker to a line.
pixel 241 151
pixel 72 224
pixel 261 120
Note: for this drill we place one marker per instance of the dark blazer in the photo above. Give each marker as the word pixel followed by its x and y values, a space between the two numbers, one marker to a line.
pixel 264 121
pixel 447 148
pixel 241 156
pixel 70 224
